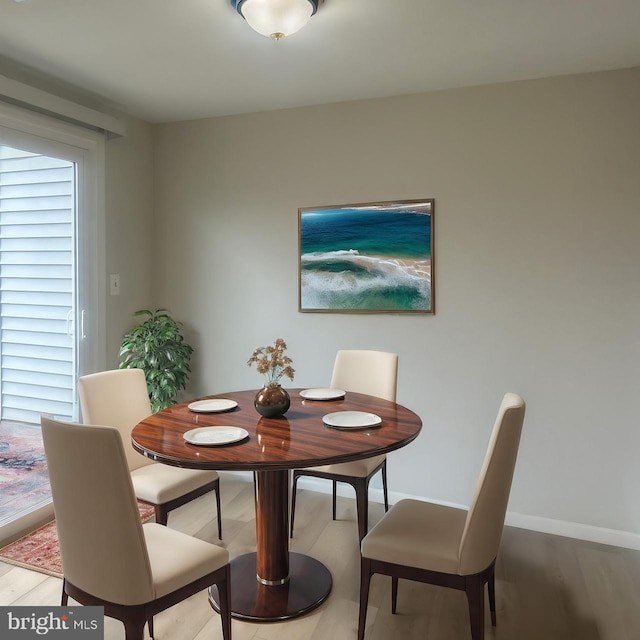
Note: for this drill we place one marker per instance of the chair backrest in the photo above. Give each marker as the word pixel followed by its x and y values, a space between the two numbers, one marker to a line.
pixel 119 399
pixel 101 540
pixel 485 520
pixel 372 372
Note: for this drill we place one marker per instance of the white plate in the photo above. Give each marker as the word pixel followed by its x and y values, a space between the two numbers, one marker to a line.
pixel 351 419
pixel 323 394
pixel 215 436
pixel 215 405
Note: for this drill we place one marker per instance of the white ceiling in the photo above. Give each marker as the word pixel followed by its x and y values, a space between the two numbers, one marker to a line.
pixel 167 60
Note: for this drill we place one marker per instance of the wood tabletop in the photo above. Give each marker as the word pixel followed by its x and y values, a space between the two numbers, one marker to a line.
pixel 298 439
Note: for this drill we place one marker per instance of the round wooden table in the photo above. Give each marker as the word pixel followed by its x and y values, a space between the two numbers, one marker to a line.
pixel 272 583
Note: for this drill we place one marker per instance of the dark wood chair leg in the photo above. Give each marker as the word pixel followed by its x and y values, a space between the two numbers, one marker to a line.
pixel 384 486
pixel 217 492
pixel 335 495
pixel 134 621
pixel 474 588
pixel 64 598
pixel 365 582
pixel 162 515
pixel 491 587
pixel 150 625
pixel 361 486
pixel 394 594
pixel 224 588
pixel 293 501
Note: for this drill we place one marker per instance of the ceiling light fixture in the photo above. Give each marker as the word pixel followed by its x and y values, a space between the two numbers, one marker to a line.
pixel 276 18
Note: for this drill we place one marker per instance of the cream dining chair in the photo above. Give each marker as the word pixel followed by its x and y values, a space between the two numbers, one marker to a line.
pixel 376 374
pixel 109 558
pixel 120 399
pixel 447 546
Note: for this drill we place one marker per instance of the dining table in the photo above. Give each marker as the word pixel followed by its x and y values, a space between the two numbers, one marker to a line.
pixel 225 432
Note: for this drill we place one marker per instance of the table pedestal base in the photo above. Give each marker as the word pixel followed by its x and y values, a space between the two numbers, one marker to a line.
pixel 308 586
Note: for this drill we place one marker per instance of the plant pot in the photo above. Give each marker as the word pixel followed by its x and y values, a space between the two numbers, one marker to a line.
pixel 272 402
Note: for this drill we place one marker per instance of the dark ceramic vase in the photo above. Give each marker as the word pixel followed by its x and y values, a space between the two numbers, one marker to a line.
pixel 272 402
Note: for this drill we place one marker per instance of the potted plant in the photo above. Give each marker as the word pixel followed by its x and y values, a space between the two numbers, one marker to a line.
pixel 157 346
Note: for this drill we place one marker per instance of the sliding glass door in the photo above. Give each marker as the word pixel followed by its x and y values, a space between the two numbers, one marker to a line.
pixel 52 288
pixel 51 268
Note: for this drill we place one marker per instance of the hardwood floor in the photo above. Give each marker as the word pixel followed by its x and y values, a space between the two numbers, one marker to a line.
pixel 548 587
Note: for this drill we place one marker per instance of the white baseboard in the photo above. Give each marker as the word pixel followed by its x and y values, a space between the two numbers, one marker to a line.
pixel 601 535
pixel 26 523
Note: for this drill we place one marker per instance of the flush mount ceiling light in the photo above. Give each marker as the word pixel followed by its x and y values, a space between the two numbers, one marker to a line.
pixel 276 18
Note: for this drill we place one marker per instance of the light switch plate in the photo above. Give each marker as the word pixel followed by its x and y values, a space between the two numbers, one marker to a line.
pixel 114 279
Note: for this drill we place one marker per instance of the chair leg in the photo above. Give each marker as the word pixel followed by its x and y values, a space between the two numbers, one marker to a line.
pixel 365 582
pixel 394 594
pixel 65 598
pixel 293 501
pixel 335 495
pixel 217 492
pixel 361 485
pixel 134 622
pixel 491 587
pixel 150 625
pixel 225 605
pixel 474 588
pixel 162 515
pixel 384 486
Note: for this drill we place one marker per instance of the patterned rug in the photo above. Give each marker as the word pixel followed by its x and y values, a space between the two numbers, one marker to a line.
pixel 24 481
pixel 39 550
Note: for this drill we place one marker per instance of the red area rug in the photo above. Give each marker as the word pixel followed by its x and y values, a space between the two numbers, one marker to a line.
pixel 39 550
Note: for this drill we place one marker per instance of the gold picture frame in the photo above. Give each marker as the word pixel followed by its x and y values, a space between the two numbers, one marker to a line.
pixel 374 257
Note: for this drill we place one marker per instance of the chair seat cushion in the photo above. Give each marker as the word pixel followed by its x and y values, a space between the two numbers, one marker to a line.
pixel 177 559
pixel 357 469
pixel 158 483
pixel 418 534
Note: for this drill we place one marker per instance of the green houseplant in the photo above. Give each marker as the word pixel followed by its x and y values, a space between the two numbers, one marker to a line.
pixel 157 346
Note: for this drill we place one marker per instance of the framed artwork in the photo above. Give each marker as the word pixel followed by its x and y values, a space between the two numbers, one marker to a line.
pixel 367 258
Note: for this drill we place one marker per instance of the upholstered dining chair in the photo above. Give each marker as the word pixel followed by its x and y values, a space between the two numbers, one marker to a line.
pixel 447 546
pixel 376 374
pixel 109 558
pixel 120 399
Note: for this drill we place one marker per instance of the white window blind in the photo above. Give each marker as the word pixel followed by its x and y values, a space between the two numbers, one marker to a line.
pixel 37 213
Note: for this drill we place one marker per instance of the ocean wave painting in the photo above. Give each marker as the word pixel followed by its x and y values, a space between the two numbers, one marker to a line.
pixel 367 258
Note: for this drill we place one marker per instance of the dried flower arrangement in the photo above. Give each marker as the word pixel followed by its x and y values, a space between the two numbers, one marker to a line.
pixel 273 363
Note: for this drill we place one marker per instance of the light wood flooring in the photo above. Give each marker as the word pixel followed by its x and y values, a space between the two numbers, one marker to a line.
pixel 548 587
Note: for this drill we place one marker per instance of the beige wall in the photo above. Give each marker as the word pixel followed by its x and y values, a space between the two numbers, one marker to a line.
pixel 129 227
pixel 537 236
